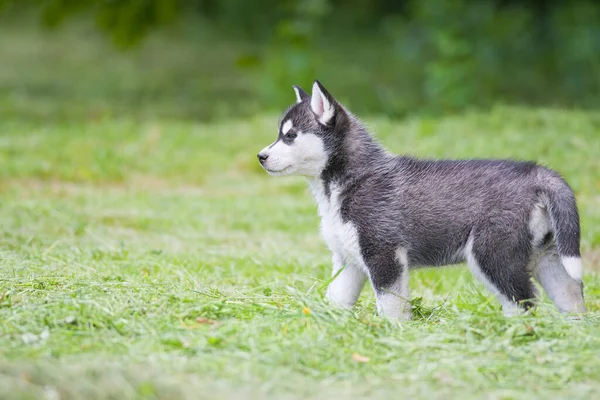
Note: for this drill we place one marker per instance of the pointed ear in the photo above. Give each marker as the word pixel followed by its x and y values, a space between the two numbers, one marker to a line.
pixel 301 95
pixel 322 104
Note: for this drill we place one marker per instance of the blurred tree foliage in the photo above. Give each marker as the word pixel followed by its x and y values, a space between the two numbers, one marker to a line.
pixel 388 56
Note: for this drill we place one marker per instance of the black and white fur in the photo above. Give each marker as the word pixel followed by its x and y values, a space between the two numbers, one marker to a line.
pixel 384 214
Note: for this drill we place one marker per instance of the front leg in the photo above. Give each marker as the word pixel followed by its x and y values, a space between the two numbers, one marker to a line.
pixel 346 287
pixel 389 277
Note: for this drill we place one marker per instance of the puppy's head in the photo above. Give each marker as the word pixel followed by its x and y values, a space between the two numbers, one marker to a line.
pixel 306 134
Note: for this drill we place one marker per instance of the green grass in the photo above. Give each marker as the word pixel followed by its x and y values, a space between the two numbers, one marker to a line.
pixel 151 257
pixel 120 237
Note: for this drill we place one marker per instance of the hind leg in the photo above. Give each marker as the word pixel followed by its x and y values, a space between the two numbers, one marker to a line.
pixel 565 292
pixel 502 267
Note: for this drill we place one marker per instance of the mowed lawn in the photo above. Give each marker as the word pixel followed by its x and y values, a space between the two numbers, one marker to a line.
pixel 145 254
pixel 156 259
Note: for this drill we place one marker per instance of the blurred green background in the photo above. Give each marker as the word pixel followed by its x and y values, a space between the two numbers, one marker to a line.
pixel 229 58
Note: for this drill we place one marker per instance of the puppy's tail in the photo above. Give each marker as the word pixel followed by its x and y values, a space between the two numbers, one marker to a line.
pixel 559 199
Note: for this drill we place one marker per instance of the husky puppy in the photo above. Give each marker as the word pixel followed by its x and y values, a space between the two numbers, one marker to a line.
pixel 383 214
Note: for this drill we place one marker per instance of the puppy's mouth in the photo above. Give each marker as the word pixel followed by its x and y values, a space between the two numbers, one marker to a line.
pixel 278 171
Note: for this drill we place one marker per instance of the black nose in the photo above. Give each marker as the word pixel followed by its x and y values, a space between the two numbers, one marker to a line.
pixel 262 157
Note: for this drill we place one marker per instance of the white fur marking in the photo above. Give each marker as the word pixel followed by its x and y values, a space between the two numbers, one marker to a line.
pixel 341 237
pixel 573 267
pixel 539 224
pixel 287 125
pixel 509 307
pixel 306 156
pixel 322 107
pixel 402 256
pixel 298 95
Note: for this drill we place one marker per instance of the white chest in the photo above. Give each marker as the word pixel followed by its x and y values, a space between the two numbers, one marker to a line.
pixel 341 237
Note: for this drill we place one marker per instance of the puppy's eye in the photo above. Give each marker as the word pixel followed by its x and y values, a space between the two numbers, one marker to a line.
pixel 291 135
